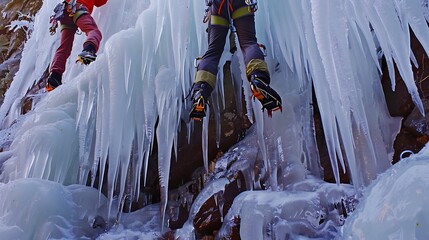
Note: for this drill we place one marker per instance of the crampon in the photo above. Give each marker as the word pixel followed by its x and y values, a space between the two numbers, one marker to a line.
pixel 198 111
pixel 86 57
pixel 53 81
pixel 268 97
pixel 200 93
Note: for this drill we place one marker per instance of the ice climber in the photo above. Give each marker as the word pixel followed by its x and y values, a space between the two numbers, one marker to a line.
pixel 73 14
pixel 224 15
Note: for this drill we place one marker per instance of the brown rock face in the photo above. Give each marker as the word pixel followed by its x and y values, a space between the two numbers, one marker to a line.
pixel 209 218
pixel 414 132
pixel 12 41
pixel 417 124
pixel 399 102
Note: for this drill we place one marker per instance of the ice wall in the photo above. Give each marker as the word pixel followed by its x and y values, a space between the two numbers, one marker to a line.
pixel 106 112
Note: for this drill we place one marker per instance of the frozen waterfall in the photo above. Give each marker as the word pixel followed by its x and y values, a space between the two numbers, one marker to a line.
pixel 105 113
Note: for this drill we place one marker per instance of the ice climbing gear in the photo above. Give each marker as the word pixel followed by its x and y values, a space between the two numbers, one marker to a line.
pixel 268 97
pixel 205 76
pixel 207 12
pixel 252 5
pixel 71 7
pixel 54 80
pixel 229 8
pixel 197 61
pixel 263 49
pixel 57 16
pixel 86 57
pixel 257 65
pixel 74 11
pixel 200 93
pixel 198 111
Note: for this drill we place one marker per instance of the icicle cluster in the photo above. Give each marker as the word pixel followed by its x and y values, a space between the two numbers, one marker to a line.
pixel 103 118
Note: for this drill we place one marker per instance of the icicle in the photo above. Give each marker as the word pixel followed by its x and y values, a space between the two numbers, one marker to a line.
pixel 205 139
pixel 386 23
pixel 146 164
pixel 220 205
pixel 217 113
pixel 260 133
pixel 167 101
pixel 237 84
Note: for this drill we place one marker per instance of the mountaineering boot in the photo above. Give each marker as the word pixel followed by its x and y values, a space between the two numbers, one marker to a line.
pixel 200 93
pixel 268 97
pixel 54 80
pixel 87 56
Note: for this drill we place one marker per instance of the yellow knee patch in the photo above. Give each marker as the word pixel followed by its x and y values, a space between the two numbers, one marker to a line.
pixel 204 76
pixel 256 64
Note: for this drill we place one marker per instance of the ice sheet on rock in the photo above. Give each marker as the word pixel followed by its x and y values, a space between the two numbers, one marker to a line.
pixel 304 210
pixel 187 231
pixel 394 205
pixel 142 224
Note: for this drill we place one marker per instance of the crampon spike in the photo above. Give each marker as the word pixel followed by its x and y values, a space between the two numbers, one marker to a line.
pixel 270 111
pixel 86 57
pixel 277 108
pixel 79 60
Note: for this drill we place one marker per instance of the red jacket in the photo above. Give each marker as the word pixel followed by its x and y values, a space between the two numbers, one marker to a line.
pixel 91 3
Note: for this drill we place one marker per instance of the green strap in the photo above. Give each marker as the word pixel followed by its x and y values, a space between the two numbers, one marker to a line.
pixel 78 13
pixel 205 76
pixel 218 20
pixel 74 17
pixel 65 26
pixel 256 65
pixel 241 12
